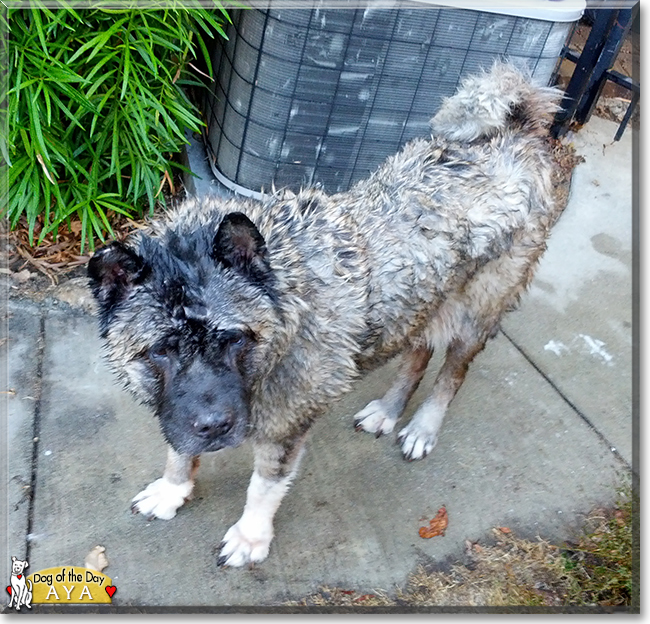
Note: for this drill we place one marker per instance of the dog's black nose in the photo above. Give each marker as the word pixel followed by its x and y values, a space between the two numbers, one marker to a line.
pixel 211 427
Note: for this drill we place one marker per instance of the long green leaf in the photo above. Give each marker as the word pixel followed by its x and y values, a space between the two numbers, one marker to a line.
pixel 38 24
pixel 35 127
pixel 126 66
pixel 97 42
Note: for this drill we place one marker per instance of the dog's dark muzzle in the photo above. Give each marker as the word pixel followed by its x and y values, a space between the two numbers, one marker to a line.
pixel 212 426
pixel 206 409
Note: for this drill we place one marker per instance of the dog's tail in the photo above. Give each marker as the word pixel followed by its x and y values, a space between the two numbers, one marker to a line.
pixel 489 102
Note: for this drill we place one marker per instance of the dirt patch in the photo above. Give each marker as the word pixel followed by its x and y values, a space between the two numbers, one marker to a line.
pixel 566 158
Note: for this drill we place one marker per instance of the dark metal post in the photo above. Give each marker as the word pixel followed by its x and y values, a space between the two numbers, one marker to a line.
pixel 606 60
pixel 603 23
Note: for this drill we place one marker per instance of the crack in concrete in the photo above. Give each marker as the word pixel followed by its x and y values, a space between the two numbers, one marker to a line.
pixel 570 403
pixel 36 432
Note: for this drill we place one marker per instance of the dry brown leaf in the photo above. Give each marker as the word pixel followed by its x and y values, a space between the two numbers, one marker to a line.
pixel 45 169
pixel 96 559
pixel 135 224
pixel 37 264
pixel 196 69
pixel 437 526
pixel 505 530
pixel 170 182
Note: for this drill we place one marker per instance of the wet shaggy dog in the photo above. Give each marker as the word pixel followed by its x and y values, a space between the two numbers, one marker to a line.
pixel 238 319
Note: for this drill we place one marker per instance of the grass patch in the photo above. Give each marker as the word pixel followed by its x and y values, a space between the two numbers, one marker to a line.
pixel 600 564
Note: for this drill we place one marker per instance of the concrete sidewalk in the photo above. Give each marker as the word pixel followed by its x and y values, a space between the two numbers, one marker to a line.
pixel 540 433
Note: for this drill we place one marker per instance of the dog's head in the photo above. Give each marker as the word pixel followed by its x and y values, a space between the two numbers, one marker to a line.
pixel 185 316
pixel 17 566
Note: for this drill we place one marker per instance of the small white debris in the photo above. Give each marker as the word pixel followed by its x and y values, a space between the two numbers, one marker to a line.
pixel 96 559
pixel 510 379
pixel 47 453
pixel 596 348
pixel 556 347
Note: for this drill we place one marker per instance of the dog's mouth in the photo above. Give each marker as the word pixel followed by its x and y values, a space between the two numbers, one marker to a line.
pixel 196 446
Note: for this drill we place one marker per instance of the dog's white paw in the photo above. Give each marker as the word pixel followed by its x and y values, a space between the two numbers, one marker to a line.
pixel 161 499
pixel 417 441
pixel 244 544
pixel 374 418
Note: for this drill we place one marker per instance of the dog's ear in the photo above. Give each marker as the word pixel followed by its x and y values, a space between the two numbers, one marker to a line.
pixel 113 270
pixel 238 244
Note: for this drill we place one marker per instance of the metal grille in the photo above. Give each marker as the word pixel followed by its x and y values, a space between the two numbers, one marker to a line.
pixel 322 96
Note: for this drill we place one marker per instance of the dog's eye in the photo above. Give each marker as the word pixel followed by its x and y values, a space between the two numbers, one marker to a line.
pixel 157 354
pixel 237 338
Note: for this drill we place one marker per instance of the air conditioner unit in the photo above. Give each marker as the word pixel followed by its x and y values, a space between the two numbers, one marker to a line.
pixel 308 96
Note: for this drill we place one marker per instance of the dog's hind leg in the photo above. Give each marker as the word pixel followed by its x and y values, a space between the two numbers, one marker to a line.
pixel 249 540
pixel 419 437
pixel 379 416
pixel 163 497
pixel 464 323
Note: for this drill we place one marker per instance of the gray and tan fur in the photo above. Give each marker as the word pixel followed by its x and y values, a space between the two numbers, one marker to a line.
pixel 241 319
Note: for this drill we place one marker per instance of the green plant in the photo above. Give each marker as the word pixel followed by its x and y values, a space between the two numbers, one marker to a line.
pixel 94 107
pixel 601 564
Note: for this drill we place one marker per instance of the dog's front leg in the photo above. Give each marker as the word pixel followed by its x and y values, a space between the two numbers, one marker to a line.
pixel 248 540
pixel 164 496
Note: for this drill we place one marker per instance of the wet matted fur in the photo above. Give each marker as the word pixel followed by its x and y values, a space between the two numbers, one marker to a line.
pixel 238 319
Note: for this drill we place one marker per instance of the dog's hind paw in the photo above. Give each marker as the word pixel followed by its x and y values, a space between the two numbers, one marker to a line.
pixel 239 548
pixel 416 442
pixel 373 418
pixel 161 499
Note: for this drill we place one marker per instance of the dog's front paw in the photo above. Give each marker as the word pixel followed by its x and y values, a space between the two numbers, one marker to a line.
pixel 374 418
pixel 242 545
pixel 161 499
pixel 417 441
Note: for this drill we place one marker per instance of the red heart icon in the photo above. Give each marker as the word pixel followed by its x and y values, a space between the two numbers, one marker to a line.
pixel 110 590
pixel 9 589
pixel 20 576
